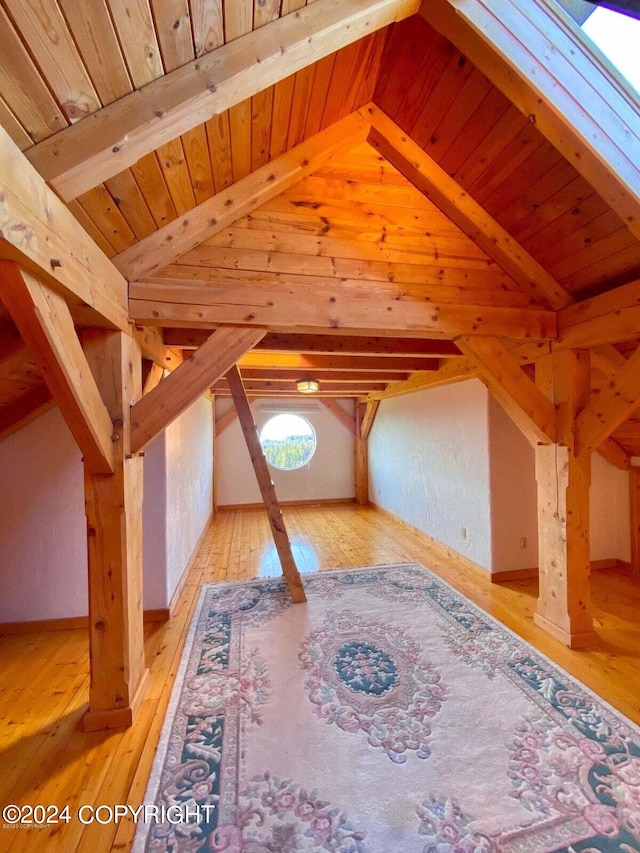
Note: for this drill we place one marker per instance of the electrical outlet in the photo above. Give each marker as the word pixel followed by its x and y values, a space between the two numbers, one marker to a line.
pixel 523 541
pixel 463 531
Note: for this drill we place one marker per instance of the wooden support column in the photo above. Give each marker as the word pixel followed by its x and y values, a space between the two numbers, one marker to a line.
pixel 564 603
pixel 114 512
pixel 365 414
pixel 634 521
pixel 267 489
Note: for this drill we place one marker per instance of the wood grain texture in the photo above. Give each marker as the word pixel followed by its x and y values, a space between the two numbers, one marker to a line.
pixel 532 412
pixel 113 506
pixel 46 326
pixel 115 768
pixel 35 227
pixel 339 413
pixel 540 59
pixel 160 248
pixel 563 478
pixel 335 308
pixel 267 488
pixel 155 411
pixel 123 132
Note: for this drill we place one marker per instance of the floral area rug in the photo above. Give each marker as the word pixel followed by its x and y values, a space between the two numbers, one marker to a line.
pixel 386 714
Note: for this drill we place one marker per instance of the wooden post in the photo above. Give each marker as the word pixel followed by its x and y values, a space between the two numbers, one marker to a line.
pixel 362 459
pixel 564 603
pixel 365 414
pixel 267 489
pixel 114 523
pixel 634 519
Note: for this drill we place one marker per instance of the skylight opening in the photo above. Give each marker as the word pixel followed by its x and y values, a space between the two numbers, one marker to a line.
pixel 618 37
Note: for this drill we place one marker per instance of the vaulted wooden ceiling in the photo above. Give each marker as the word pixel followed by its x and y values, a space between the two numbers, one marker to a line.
pixel 368 208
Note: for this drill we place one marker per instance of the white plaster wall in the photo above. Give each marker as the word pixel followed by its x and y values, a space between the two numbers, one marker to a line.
pixel 513 494
pixel 330 473
pixel 154 532
pixel 429 465
pixel 189 467
pixel 43 540
pixel 43 532
pixel 609 511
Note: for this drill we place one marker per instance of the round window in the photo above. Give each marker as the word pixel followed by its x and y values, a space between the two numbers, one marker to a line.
pixel 288 441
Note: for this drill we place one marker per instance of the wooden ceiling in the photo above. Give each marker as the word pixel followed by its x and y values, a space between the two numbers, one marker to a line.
pixel 354 237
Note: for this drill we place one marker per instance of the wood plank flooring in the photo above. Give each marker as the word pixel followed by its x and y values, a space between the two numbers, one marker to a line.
pixel 44 676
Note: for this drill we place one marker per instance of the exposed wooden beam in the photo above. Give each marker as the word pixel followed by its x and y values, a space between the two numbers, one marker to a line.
pixel 357 307
pixel 628 432
pixel 610 408
pixel 160 407
pixel 153 347
pixel 615 454
pixel 174 239
pixel 607 360
pixel 338 412
pixel 609 318
pixel 543 63
pixel 46 326
pixel 13 353
pixel 153 379
pixel 452 370
pixel 327 344
pixel 24 410
pixel 368 417
pixel 38 232
pixel 225 420
pixel 427 176
pixel 362 455
pixel 342 389
pixel 335 377
pixel 108 141
pixel 526 405
pixel 336 363
pixel 267 489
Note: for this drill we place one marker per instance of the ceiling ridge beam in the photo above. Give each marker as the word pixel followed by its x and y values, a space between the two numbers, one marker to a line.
pixel 174 239
pixel 522 400
pixel 541 61
pixel 110 140
pixel 456 203
pixel 156 410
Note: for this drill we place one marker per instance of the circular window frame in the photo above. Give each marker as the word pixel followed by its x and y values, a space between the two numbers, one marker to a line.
pixel 313 433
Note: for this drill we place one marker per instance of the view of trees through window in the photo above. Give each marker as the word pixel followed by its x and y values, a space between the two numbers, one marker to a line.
pixel 288 441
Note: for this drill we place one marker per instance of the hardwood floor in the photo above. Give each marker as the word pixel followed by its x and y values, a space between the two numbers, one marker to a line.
pixel 44 676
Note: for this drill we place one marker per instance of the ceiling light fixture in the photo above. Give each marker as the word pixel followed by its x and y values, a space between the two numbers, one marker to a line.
pixel 307 386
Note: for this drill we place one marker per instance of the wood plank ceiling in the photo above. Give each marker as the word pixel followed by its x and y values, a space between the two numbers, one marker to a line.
pixel 355 225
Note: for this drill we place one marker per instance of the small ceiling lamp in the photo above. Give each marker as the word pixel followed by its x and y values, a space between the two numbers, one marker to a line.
pixel 307 386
